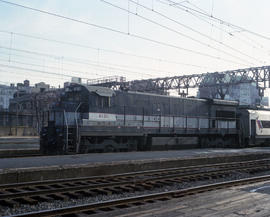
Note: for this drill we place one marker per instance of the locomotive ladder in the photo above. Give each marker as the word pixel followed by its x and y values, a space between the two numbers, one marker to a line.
pixel 70 141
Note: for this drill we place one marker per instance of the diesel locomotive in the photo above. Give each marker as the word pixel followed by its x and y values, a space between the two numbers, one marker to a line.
pixel 92 118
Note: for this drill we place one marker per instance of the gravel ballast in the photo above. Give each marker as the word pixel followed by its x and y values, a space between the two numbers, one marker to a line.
pixel 5 211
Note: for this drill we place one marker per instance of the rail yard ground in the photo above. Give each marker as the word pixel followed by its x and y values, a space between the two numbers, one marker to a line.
pixel 111 184
pixel 205 190
pixel 247 200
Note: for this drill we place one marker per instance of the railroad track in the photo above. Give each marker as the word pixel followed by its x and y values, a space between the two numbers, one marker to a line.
pixel 13 195
pixel 107 206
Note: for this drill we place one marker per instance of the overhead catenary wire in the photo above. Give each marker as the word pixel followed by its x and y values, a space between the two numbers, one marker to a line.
pixel 259 46
pixel 88 62
pixel 58 68
pixel 107 50
pixel 188 2
pixel 67 70
pixel 124 33
pixel 196 31
pixel 221 21
pixel 4 82
pixel 41 66
pixel 204 19
pixel 179 33
pixel 49 72
pixel 232 34
pixel 38 71
pixel 96 62
pixel 192 29
pixel 60 78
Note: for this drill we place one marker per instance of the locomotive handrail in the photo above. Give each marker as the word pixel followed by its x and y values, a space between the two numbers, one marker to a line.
pixel 65 117
pixel 77 128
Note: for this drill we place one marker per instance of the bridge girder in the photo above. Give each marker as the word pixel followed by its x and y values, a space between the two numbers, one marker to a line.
pixel 259 75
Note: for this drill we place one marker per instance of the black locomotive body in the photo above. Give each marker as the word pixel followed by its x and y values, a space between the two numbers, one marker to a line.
pixel 92 118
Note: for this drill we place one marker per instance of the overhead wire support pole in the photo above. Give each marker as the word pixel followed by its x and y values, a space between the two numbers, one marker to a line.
pixel 77 128
pixel 128 16
pixel 11 41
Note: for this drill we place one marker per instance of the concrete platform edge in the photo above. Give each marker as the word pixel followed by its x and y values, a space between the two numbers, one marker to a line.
pixel 18 152
pixel 8 176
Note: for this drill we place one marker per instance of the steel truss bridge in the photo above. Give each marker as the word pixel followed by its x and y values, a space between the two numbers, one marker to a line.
pixel 220 80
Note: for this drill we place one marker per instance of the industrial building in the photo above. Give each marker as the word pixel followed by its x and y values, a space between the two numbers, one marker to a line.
pixel 6 93
pixel 244 93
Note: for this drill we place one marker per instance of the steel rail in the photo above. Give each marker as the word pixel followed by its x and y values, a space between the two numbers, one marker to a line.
pixel 127 202
pixel 133 174
pixel 151 181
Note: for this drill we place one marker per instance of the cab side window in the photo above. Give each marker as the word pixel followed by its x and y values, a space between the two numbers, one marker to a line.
pixel 103 102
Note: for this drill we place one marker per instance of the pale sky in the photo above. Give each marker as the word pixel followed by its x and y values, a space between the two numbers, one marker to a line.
pixel 42 60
